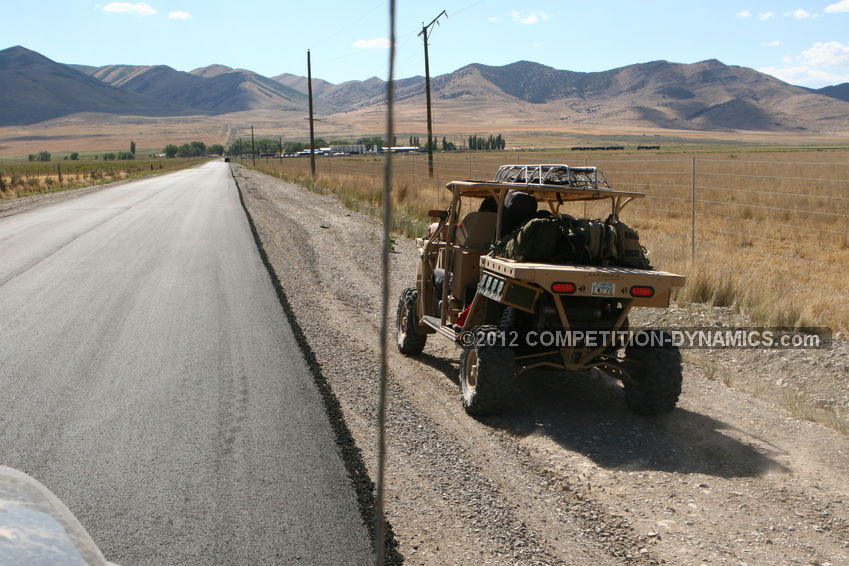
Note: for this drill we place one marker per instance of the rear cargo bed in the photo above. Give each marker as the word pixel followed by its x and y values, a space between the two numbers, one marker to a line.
pixel 591 281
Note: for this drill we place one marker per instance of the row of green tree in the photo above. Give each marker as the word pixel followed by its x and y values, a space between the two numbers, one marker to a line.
pixel 272 146
pixel 260 146
pixel 479 143
pixel 75 155
pixel 267 146
pixel 121 156
pixel 487 144
pixel 193 149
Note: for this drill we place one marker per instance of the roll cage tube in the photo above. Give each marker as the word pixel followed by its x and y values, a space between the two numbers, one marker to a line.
pixel 553 195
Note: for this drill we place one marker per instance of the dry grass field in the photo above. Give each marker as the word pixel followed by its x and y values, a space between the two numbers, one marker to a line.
pixel 104 132
pixel 22 178
pixel 771 226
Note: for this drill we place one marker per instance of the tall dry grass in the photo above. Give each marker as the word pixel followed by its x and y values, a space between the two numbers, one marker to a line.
pixel 771 231
pixel 23 178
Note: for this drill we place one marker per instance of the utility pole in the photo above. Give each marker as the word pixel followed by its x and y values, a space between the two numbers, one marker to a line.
pixel 312 129
pixel 424 34
pixel 253 149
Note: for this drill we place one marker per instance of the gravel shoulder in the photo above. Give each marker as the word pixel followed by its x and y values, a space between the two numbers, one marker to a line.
pixel 568 476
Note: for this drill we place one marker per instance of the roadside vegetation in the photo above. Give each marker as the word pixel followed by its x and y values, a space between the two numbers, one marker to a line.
pixel 271 146
pixel 23 178
pixel 193 149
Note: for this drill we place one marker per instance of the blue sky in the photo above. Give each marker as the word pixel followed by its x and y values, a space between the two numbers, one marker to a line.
pixel 798 41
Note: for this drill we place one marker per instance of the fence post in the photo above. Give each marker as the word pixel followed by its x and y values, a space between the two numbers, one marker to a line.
pixel 59 173
pixel 693 212
pixel 585 202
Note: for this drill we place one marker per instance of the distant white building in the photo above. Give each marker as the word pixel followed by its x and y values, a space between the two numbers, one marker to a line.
pixel 354 149
pixel 317 151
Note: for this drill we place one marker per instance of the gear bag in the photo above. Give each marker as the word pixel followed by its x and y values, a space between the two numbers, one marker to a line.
pixel 538 240
pixel 561 240
pixel 629 252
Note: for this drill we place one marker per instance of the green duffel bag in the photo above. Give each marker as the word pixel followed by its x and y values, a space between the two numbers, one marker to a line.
pixel 538 240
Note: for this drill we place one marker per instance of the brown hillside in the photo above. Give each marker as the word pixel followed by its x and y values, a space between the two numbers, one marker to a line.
pixel 34 88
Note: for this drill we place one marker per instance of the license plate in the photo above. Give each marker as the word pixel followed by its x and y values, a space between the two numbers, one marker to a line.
pixel 603 288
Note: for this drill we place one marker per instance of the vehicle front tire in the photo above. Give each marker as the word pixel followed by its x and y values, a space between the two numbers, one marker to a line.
pixel 487 373
pixel 409 339
pixel 656 378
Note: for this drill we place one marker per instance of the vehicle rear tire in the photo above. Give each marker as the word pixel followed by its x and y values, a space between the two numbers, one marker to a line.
pixel 487 372
pixel 407 335
pixel 656 377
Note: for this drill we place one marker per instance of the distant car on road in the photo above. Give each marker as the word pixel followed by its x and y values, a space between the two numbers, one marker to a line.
pixel 226 160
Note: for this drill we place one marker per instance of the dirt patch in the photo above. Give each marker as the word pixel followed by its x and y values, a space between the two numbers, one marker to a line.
pixel 568 476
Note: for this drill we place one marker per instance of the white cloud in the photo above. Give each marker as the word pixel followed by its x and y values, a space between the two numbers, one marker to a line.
pixel 376 43
pixel 139 8
pixel 766 16
pixel 807 76
pixel 536 44
pixel 494 19
pixel 179 15
pixel 775 43
pixel 842 6
pixel 530 17
pixel 744 14
pixel 799 14
pixel 831 54
pixel 820 65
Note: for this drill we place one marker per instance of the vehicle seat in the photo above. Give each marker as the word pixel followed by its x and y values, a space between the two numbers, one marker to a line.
pixel 474 235
pixel 477 230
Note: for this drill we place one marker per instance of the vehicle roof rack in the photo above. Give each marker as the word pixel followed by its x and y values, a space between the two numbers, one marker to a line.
pixel 553 174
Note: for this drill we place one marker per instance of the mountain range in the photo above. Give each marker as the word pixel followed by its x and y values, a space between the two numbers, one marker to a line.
pixel 708 95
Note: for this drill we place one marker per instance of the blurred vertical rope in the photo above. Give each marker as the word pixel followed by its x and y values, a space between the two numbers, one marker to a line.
pixel 380 527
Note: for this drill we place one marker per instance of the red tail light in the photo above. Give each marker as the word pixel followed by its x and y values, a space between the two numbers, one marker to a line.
pixel 563 288
pixel 642 291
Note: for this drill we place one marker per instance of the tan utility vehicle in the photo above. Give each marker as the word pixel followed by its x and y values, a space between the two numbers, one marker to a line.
pixel 513 316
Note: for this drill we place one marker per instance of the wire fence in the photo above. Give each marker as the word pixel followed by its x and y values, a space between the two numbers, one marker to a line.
pixel 727 202
pixel 775 224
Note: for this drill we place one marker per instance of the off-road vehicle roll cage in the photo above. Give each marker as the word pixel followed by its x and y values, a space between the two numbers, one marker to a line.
pixel 463 289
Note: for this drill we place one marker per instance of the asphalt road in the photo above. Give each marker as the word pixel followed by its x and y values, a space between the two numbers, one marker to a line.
pixel 149 378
